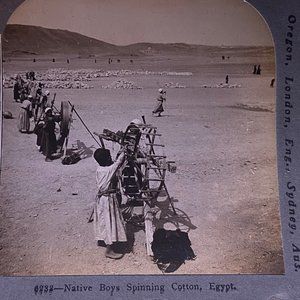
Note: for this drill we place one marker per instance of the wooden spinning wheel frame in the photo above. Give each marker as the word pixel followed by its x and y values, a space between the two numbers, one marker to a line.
pixel 142 178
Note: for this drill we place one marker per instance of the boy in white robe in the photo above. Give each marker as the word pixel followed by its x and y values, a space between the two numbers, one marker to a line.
pixel 108 221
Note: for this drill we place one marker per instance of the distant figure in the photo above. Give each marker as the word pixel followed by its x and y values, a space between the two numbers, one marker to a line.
pixel 160 100
pixel 68 61
pixel 31 75
pixel 226 79
pixel 223 57
pixel 131 61
pixel 118 60
pixel 255 69
pixel 24 117
pixel 272 82
pixel 95 60
pixel 258 70
pixel 34 60
pixel 53 59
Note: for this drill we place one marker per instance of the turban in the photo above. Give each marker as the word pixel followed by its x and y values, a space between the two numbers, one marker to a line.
pixel 136 122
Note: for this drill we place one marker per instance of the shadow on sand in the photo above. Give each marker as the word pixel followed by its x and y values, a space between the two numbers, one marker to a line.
pixel 81 149
pixel 163 218
pixel 178 221
pixel 166 215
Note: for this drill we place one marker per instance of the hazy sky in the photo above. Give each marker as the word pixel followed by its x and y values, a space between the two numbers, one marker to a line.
pixel 121 22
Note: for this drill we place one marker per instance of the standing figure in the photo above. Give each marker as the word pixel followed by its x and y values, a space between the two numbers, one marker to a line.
pixel 37 101
pixel 258 70
pixel 272 82
pixel 254 69
pixel 42 103
pixel 160 100
pixel 227 79
pixel 24 117
pixel 48 144
pixel 108 221
pixel 38 130
pixel 32 88
pixel 45 101
pixel 19 89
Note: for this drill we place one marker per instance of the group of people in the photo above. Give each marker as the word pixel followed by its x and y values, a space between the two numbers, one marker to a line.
pixel 36 107
pixel 108 220
pixel 33 99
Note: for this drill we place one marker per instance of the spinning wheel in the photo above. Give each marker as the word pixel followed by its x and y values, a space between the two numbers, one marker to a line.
pixel 143 177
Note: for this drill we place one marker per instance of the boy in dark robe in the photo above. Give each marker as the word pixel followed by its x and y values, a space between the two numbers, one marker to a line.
pixel 48 139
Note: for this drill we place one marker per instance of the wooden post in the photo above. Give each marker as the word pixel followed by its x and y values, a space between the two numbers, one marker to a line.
pixel 67 137
pixel 66 145
pixel 148 215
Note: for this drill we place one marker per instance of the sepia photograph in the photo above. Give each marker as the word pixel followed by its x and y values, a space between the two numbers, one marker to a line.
pixel 138 138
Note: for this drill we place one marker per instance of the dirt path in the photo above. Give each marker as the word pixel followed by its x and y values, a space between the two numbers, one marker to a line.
pixel 225 185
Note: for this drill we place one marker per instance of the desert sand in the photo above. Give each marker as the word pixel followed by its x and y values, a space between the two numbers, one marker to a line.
pixel 222 140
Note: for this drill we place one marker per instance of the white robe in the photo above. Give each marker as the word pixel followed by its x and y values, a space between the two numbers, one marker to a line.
pixel 108 221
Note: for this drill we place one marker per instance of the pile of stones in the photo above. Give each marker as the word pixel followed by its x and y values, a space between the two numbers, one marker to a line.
pixel 122 84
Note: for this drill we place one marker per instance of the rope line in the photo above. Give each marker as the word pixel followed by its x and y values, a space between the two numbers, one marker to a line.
pixel 84 124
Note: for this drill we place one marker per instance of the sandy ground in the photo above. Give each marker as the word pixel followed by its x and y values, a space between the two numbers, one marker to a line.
pixel 225 187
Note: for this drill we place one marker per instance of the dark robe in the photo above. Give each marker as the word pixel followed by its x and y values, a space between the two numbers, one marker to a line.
pixel 19 89
pixel 38 130
pixel 47 139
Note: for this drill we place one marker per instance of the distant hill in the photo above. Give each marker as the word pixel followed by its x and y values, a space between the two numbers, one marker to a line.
pixel 33 40
pixel 24 39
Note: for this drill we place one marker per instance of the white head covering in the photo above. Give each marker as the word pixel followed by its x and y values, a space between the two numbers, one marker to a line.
pixel 26 104
pixel 136 122
pixel 47 93
pixel 47 109
pixel 160 90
